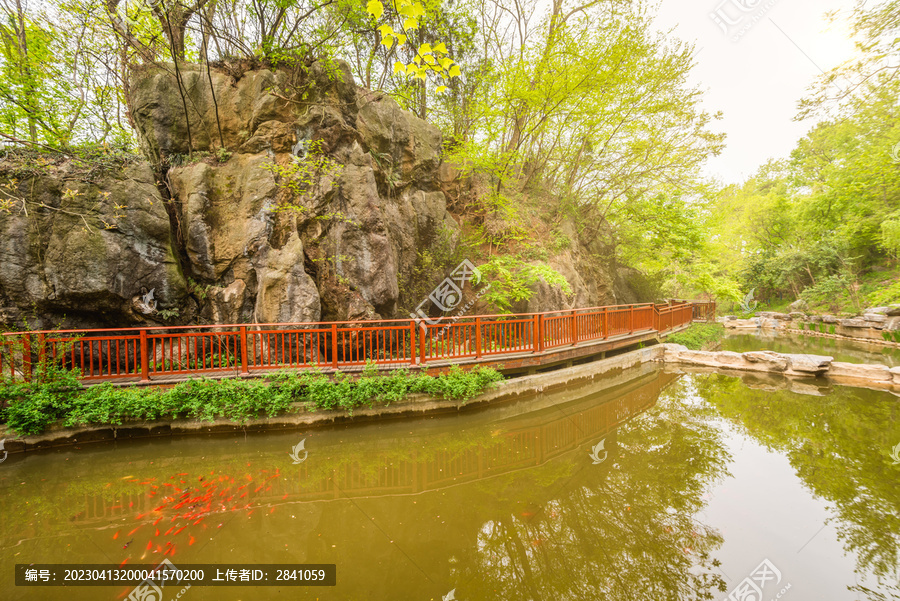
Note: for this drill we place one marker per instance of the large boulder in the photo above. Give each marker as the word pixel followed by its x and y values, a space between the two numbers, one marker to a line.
pixel 87 245
pixel 332 195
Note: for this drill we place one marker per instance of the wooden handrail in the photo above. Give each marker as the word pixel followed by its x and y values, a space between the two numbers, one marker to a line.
pixel 142 354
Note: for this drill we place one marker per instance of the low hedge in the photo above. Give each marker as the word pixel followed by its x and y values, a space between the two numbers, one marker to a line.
pixel 58 396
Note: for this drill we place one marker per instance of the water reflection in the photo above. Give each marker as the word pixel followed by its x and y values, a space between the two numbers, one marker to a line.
pixel 840 447
pixel 841 350
pixel 516 501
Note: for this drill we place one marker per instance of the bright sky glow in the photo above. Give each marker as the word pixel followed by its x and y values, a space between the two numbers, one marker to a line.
pixel 758 80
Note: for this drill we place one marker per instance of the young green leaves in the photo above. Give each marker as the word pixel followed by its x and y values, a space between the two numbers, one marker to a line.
pixel 426 58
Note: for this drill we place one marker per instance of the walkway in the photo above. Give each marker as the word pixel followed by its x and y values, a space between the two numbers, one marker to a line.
pixel 167 355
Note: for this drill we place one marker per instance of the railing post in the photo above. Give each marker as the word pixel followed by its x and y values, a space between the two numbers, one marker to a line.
pixel 245 369
pixel 574 327
pixel 145 358
pixel 423 335
pixel 630 319
pixel 541 333
pixel 26 357
pixel 477 337
pixel 605 323
pixel 334 346
pixel 534 333
pixel 42 353
pixel 412 343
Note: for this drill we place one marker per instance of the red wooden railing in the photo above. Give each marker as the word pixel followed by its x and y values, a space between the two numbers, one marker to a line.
pixel 146 353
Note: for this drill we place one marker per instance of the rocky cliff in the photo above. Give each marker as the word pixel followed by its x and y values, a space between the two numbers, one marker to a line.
pixel 283 196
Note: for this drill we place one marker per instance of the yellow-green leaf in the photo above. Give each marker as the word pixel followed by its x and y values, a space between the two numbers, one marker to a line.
pixel 375 8
pixel 398 67
pixel 411 69
pixel 401 39
pixel 411 23
pixel 421 74
pixel 386 31
pixel 417 59
pixel 454 71
pixel 425 48
pixel 446 62
pixel 418 9
pixel 440 49
pixel 440 89
pixel 407 11
pixel 429 59
pixel 387 41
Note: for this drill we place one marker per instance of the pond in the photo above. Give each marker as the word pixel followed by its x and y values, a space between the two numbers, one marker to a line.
pixel 842 350
pixel 662 486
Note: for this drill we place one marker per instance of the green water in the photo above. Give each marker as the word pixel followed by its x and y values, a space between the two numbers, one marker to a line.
pixel 698 480
pixel 842 350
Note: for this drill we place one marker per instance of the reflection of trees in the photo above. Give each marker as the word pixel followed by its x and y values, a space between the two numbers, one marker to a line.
pixel 621 530
pixel 840 446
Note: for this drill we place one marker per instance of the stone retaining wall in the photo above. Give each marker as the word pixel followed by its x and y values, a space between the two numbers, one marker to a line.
pixel 795 365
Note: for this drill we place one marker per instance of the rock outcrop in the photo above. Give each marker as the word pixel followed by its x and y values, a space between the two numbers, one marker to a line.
pixel 795 365
pixel 280 196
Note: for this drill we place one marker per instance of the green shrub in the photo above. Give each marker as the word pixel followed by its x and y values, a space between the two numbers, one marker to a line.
pixel 822 327
pixel 831 329
pixel 800 325
pixel 32 407
pixel 698 335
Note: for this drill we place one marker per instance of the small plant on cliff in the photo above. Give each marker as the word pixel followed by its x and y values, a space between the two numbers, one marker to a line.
pixel 303 174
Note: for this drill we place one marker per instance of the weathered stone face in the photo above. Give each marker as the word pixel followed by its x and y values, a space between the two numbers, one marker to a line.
pixel 61 265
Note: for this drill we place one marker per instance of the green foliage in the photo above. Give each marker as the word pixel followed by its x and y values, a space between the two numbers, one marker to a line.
pixel 58 396
pixel 305 175
pixel 698 336
pixel 511 280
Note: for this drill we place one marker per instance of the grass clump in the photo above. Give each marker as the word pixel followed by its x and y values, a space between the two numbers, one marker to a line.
pixel 698 335
pixel 59 397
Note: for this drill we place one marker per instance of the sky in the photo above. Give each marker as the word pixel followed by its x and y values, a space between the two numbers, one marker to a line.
pixel 757 72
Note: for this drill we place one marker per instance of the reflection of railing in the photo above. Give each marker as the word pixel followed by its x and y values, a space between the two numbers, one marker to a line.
pixel 527 441
pixel 145 353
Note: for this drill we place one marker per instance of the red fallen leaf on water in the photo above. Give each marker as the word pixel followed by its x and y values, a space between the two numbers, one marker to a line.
pixel 116 535
pixel 191 541
pixel 149 544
